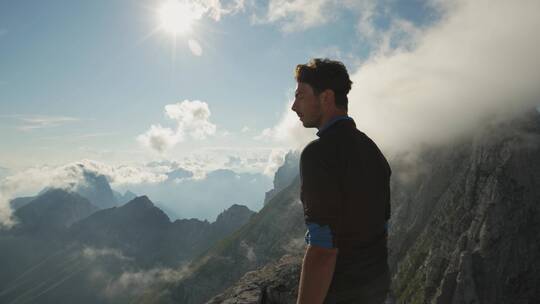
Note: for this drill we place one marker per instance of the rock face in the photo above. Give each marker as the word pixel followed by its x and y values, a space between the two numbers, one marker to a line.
pixel 137 229
pixel 274 283
pixel 97 190
pixel 228 219
pixel 19 202
pixel 466 229
pixel 191 237
pixel 285 174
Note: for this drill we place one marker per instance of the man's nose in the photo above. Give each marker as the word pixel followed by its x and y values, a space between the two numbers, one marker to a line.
pixel 293 107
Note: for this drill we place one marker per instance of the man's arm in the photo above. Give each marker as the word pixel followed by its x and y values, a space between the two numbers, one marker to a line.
pixel 317 272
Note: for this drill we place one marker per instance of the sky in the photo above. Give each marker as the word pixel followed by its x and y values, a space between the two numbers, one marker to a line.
pixel 88 79
pixel 120 84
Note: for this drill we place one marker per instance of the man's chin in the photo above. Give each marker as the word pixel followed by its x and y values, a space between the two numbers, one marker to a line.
pixel 307 125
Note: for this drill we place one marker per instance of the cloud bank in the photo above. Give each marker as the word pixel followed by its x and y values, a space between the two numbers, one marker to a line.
pixel 135 177
pixel 478 64
pixel 33 180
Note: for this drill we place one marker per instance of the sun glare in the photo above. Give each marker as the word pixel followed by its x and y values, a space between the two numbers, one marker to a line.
pixel 177 16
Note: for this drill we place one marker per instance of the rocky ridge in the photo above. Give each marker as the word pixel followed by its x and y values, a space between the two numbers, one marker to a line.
pixel 464 228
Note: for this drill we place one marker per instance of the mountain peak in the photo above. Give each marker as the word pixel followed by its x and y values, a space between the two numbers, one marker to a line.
pixel 95 187
pixel 139 201
pixel 233 214
pixel 54 208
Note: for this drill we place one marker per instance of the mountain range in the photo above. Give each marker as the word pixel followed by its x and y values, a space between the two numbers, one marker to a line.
pixel 464 229
pixel 64 249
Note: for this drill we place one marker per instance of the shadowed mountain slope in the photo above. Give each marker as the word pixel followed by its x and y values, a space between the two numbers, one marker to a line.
pixel 464 228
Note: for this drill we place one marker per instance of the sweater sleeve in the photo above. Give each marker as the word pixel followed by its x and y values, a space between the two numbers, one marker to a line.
pixel 320 195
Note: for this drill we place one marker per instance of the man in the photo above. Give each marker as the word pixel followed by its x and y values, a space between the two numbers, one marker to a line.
pixel 345 192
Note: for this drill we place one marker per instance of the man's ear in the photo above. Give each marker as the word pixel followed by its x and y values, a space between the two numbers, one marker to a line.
pixel 329 97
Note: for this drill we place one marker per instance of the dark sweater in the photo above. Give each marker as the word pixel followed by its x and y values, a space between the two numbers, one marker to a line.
pixel 345 184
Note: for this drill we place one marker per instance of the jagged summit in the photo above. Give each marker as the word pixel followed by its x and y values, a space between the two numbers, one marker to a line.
pixel 142 208
pixel 95 187
pixel 285 174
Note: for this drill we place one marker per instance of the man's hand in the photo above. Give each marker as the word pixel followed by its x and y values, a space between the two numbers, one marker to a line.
pixel 317 273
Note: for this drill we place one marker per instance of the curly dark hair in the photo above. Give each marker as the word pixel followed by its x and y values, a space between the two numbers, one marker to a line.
pixel 323 74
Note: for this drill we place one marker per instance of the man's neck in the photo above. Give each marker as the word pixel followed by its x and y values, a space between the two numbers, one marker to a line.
pixel 330 117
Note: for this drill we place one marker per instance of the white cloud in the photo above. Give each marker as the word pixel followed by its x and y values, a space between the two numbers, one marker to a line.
pixel 124 174
pixel 217 8
pixel 299 15
pixel 92 253
pixel 195 47
pixel 266 134
pixel 192 119
pixel 6 219
pixel 160 138
pixel 249 252
pixel 245 129
pixel 296 15
pixel 265 160
pixel 30 181
pixel 431 85
pixel 214 9
pixel 367 12
pixel 31 122
pixel 76 137
pixel 464 70
pixel 275 160
pixel 33 179
pixel 288 131
pixel 136 282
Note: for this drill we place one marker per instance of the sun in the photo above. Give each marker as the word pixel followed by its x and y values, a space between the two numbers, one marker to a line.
pixel 177 16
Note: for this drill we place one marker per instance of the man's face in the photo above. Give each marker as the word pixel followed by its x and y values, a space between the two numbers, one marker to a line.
pixel 307 105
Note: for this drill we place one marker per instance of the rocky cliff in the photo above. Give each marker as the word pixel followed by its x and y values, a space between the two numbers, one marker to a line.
pixel 276 282
pixel 464 228
pixel 284 175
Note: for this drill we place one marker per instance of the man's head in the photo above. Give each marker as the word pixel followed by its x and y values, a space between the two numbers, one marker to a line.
pixel 321 92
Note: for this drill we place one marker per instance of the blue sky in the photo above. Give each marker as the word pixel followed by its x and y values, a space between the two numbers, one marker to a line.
pixel 83 79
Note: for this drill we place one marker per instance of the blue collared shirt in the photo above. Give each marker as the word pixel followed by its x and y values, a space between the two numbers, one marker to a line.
pixel 331 122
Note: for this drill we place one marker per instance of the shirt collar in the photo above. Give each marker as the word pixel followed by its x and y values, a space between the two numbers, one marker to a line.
pixel 332 121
